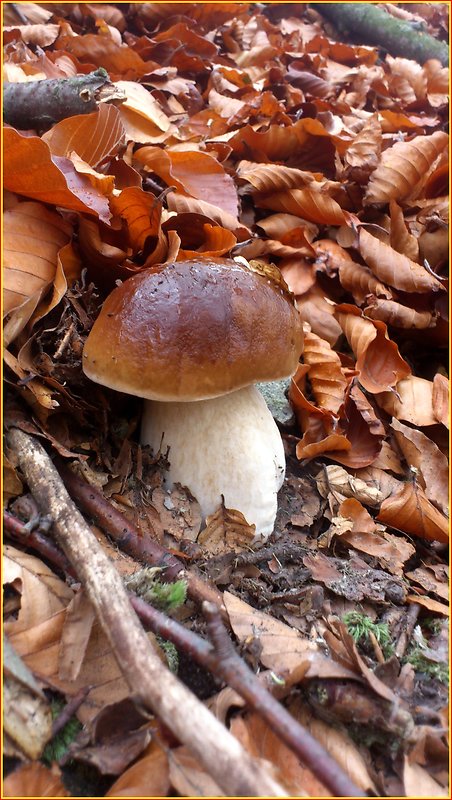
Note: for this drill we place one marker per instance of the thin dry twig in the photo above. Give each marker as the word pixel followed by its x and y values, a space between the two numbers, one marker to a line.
pixel 129 539
pixel 152 685
pixel 224 662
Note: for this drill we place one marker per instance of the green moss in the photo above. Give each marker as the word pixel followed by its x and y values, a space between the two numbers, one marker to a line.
pixel 360 626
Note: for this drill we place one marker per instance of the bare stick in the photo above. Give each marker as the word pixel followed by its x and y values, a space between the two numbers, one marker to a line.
pixel 151 683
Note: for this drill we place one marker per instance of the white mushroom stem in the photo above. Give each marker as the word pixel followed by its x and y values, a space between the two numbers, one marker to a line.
pixel 228 446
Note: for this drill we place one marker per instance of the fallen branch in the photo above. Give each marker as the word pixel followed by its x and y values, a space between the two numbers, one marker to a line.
pixel 223 661
pixel 129 539
pixel 372 25
pixel 152 685
pixel 39 104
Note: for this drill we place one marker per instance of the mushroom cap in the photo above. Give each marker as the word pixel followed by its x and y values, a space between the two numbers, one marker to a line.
pixel 194 330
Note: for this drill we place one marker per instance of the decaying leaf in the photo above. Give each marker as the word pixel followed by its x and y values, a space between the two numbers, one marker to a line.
pixel 226 530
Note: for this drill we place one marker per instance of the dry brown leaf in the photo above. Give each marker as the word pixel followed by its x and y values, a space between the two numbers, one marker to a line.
pixel 418 782
pixel 368 537
pixel 298 273
pixel 399 316
pixel 266 178
pixel 325 374
pixel 12 484
pixel 336 480
pixel 142 116
pixel 411 512
pixel 75 635
pixel 261 742
pixel 315 309
pixel 360 282
pixel 181 204
pixel 282 648
pixel 412 401
pixel 400 238
pixel 426 577
pixel 42 592
pixel 440 399
pixel 227 530
pixel 39 647
pixel 193 173
pixel 394 268
pixel 422 454
pixel 403 166
pixel 217 241
pixel 312 205
pixel 142 213
pixel 363 153
pixel 377 357
pixel 429 604
pixel 38 34
pixel 33 237
pixel 188 777
pixel 94 137
pixel 35 780
pixel 30 170
pixel 148 777
pixel 337 743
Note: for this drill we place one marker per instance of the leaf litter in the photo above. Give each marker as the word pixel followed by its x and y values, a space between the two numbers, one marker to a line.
pixel 281 144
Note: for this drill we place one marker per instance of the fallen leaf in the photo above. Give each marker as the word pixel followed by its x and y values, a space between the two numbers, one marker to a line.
pixel 377 357
pixel 33 237
pixel 148 777
pixel 410 511
pixel 412 401
pixel 35 780
pixel 403 166
pixel 31 170
pixel 42 592
pixel 94 137
pixel 227 530
pixel 425 456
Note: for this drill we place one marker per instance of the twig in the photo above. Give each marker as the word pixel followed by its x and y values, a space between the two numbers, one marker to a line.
pixel 36 540
pixel 151 683
pixel 69 710
pixel 19 14
pixel 224 662
pixel 132 541
pixel 405 636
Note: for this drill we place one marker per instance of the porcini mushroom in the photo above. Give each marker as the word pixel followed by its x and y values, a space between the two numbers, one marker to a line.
pixel 192 339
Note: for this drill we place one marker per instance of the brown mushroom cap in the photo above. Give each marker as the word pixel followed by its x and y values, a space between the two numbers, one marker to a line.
pixel 195 330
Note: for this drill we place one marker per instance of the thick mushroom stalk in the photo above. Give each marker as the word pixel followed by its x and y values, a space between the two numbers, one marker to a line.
pixel 228 446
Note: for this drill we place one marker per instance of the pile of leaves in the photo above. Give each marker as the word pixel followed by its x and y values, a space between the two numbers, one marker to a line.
pixel 237 129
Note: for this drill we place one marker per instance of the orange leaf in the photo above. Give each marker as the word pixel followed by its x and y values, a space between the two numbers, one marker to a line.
pixel 411 512
pixel 33 236
pixel 327 380
pixel 440 399
pixel 266 178
pixel 424 455
pixel 142 213
pixel 311 205
pixel 148 777
pixel 394 268
pixel 378 360
pixel 399 316
pixel 412 401
pixel 35 780
pixel 104 52
pixel 30 169
pixel 94 137
pixel 197 174
pixel 400 239
pixel 319 313
pixel 403 166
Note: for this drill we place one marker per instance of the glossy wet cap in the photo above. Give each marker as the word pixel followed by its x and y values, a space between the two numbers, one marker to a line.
pixel 194 330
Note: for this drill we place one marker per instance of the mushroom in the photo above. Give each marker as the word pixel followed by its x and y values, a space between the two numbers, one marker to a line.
pixel 192 339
